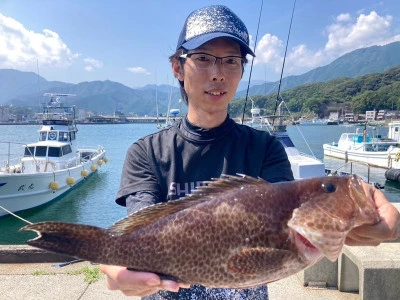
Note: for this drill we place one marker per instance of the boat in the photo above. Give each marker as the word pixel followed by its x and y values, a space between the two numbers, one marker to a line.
pixel 303 165
pixel 333 119
pixel 375 150
pixel 50 167
pixel 314 121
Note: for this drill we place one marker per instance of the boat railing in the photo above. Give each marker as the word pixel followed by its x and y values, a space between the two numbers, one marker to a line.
pixel 351 165
pixel 10 156
pixel 375 146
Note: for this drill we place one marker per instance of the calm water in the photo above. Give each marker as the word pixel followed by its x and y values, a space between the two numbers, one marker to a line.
pixel 93 201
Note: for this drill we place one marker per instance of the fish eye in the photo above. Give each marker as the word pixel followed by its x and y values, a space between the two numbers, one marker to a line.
pixel 329 187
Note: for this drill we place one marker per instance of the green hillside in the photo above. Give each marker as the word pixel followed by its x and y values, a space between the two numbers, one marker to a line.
pixel 374 91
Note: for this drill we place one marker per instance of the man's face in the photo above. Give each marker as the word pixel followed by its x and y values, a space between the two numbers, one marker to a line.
pixel 210 90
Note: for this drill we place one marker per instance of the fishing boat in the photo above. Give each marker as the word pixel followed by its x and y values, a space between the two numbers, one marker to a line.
pixel 303 165
pixel 375 150
pixel 50 167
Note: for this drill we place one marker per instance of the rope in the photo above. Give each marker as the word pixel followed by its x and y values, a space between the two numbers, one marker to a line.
pixel 11 213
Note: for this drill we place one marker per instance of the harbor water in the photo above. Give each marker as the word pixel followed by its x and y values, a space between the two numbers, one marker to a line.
pixel 92 202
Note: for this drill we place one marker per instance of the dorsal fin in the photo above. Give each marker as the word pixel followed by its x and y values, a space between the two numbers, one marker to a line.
pixel 156 212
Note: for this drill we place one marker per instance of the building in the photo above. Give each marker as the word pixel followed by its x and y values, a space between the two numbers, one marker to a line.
pixel 370 115
pixel 4 113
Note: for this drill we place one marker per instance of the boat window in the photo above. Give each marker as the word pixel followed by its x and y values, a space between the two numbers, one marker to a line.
pixel 42 136
pixel 63 136
pixel 41 151
pixel 54 152
pixel 66 149
pixel 286 141
pixel 73 136
pixel 52 135
pixel 29 151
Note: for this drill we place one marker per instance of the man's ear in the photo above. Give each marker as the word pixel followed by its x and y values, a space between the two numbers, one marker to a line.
pixel 177 69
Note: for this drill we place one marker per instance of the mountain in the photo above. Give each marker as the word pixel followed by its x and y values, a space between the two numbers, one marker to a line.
pixel 375 59
pixel 27 88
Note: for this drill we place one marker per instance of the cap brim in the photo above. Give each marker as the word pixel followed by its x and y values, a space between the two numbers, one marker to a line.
pixel 197 41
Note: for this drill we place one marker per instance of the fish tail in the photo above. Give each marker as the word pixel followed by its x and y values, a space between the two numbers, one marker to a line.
pixel 80 241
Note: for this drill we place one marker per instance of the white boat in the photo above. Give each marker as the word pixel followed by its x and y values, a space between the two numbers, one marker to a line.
pixel 333 119
pixel 303 165
pixel 314 121
pixel 376 151
pixel 49 167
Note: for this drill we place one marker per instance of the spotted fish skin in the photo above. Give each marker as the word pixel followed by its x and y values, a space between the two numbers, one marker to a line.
pixel 237 232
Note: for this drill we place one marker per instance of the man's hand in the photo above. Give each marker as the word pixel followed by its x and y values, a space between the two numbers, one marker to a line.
pixel 386 229
pixel 133 283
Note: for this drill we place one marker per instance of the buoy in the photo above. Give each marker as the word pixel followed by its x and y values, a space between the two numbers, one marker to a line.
pixel 84 173
pixel 70 180
pixel 53 185
pixel 105 159
pixel 93 168
pixel 100 162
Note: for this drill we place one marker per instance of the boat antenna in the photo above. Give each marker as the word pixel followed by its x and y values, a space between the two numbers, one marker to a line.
pixel 38 79
pixel 284 60
pixel 158 122
pixel 252 62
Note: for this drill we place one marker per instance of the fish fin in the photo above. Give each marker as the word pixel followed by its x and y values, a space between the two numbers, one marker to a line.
pixel 153 213
pixel 258 260
pixel 150 214
pixel 82 241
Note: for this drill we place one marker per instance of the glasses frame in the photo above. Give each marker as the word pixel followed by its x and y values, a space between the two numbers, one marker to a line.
pixel 189 55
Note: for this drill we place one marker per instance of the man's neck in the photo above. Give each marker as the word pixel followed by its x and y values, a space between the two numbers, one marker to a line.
pixel 207 121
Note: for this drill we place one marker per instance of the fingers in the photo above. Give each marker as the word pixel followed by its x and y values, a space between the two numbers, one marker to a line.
pixel 133 283
pixel 386 229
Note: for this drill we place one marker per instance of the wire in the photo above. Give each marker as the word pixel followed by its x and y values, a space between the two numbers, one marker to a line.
pixel 284 60
pixel 252 62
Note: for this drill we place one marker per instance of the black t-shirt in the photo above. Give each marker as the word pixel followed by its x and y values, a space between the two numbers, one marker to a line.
pixel 174 161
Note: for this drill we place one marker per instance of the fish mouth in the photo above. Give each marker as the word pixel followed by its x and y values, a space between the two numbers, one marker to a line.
pixel 305 241
pixel 306 248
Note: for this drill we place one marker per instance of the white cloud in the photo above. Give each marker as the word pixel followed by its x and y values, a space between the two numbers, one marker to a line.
pixel 345 34
pixel 367 30
pixel 92 64
pixel 343 18
pixel 20 48
pixel 138 70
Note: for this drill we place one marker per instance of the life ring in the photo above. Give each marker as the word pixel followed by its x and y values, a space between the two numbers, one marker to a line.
pixel 52 136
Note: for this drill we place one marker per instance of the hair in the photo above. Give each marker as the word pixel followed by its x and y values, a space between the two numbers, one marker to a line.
pixel 181 51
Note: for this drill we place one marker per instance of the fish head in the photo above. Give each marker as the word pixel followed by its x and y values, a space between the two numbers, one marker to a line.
pixel 330 207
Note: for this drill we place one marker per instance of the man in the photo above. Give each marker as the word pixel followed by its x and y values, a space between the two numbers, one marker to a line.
pixel 169 164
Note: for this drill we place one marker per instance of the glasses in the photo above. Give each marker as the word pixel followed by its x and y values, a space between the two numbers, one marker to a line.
pixel 207 61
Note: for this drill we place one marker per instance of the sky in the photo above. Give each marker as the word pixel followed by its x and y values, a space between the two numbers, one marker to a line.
pixel 129 41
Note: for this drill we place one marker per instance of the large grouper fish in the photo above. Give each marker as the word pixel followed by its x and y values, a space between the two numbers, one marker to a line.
pixel 236 232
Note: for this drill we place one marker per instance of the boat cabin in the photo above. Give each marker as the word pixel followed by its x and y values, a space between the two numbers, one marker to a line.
pixel 361 142
pixel 394 131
